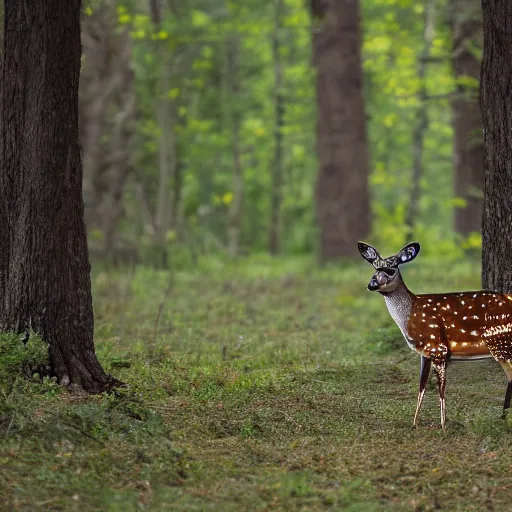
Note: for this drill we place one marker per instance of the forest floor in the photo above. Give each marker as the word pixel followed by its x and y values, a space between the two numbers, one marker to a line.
pixel 267 385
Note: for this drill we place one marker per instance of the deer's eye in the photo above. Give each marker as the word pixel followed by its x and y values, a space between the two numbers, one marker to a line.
pixel 389 271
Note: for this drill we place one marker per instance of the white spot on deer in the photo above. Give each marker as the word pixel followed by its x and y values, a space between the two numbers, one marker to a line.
pixel 475 295
pixel 453 343
pixel 432 325
pixel 464 344
pixel 463 302
pixel 476 317
pixel 464 318
pixel 463 330
pixel 430 300
pixel 432 337
pixel 423 314
pixel 453 325
pixel 474 333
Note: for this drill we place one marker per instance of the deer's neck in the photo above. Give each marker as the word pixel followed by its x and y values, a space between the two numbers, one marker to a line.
pixel 399 303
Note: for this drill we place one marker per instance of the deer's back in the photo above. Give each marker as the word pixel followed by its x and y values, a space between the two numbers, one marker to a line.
pixel 466 325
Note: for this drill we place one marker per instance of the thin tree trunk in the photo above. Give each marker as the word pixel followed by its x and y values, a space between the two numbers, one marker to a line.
pixel 342 191
pixel 167 145
pixel 236 206
pixel 164 168
pixel 421 122
pixel 496 107
pixel 44 269
pixel 277 174
pixel 164 165
pixel 467 119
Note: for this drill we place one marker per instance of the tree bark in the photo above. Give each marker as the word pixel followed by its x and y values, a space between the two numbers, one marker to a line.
pixel 496 107
pixel 342 195
pixel 44 269
pixel 467 119
pixel 1 28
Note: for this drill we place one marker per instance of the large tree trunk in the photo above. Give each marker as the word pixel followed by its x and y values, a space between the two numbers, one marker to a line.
pixel 44 269
pixel 496 106
pixel 467 119
pixel 342 197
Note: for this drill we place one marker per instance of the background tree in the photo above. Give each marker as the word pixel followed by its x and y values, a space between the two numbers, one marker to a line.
pixel 496 105
pixel 44 269
pixel 421 121
pixel 107 128
pixel 342 191
pixel 466 19
pixel 277 168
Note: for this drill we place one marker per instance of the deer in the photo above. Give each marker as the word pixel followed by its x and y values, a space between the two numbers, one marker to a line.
pixel 443 327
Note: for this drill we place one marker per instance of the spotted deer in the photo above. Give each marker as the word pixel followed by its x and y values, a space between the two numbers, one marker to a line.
pixel 443 327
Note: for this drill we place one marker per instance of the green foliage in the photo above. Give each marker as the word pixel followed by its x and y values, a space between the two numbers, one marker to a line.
pixel 18 358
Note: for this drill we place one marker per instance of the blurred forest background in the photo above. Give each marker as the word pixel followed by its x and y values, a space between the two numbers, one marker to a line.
pixel 200 135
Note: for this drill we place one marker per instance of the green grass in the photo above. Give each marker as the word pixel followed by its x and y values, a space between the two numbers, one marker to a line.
pixel 267 385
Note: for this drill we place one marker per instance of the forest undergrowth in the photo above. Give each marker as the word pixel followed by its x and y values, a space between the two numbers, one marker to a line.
pixel 266 384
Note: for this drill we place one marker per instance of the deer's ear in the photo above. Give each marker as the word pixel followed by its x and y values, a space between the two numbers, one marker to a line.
pixel 368 252
pixel 408 253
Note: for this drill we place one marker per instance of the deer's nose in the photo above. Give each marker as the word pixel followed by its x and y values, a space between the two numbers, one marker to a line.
pixel 381 278
pixel 373 285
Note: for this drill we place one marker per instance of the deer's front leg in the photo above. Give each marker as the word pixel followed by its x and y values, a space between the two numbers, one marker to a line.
pixel 440 369
pixel 425 364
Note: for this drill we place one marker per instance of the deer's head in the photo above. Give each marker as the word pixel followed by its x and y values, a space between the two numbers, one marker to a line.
pixel 387 276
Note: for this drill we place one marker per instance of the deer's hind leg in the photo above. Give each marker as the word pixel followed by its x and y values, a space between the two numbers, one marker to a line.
pixel 424 374
pixel 500 346
pixel 507 367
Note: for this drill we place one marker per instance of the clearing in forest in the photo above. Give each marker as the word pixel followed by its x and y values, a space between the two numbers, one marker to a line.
pixel 268 385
